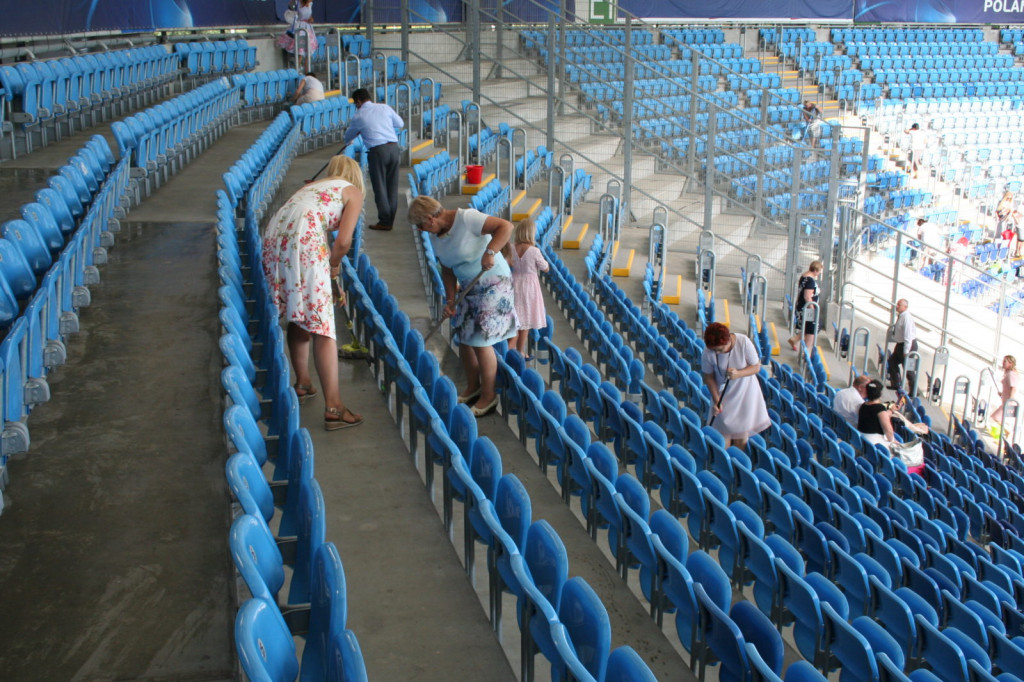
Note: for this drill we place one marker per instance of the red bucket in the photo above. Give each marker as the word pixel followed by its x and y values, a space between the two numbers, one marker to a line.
pixel 474 175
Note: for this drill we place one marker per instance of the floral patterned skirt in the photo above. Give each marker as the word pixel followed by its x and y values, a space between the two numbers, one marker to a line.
pixel 487 314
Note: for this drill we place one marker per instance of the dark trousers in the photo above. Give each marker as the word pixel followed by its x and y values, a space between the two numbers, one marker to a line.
pixel 384 160
pixel 899 354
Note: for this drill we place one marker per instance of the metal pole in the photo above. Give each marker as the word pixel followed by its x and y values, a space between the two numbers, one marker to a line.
pixel 709 176
pixel 368 16
pixel 499 30
pixel 627 122
pixel 691 148
pixel 896 277
pixel 474 28
pixel 828 230
pixel 551 82
pixel 793 250
pixel 405 31
pixel 997 342
pixel 562 30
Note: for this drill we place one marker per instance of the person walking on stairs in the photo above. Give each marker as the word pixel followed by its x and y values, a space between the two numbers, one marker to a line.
pixel 377 124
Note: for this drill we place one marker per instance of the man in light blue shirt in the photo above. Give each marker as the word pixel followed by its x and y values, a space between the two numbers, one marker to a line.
pixel 377 123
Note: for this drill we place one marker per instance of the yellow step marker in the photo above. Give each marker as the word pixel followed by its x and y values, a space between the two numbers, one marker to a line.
pixel 422 151
pixel 534 207
pixel 575 242
pixel 725 311
pixel 624 271
pixel 517 198
pixel 673 299
pixel 775 340
pixel 565 225
pixel 473 189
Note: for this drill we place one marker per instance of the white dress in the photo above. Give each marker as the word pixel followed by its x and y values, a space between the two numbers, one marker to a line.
pixel 743 409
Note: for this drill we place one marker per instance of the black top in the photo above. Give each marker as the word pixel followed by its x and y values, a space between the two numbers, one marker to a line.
pixel 867 418
pixel 806 282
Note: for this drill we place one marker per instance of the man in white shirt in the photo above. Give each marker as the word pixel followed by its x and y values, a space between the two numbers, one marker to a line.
pixel 847 402
pixel 905 335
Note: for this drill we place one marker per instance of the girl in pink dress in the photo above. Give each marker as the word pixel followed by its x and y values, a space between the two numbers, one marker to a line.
pixel 526 261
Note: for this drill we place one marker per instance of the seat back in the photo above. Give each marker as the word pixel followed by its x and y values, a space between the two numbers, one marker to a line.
pixel 345 663
pixel 547 560
pixel 586 621
pixel 513 507
pixel 328 610
pixel 244 433
pixel 40 217
pixel 247 484
pixel 31 245
pixel 265 648
pixel 15 270
pixel 625 665
pixel 256 557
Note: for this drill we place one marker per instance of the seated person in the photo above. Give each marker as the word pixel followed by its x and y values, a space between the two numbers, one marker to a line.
pixel 874 421
pixel 847 402
pixel 309 89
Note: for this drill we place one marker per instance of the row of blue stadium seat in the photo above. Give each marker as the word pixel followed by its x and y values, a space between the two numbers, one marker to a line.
pixel 44 96
pixel 492 199
pixel 216 57
pixel 946 76
pixel 922 49
pixel 354 44
pixel 771 36
pixel 162 139
pixel 974 121
pixel 323 121
pixel 956 91
pixel 316 592
pixel 532 40
pixel 436 176
pixel 692 36
pixel 48 259
pixel 907 35
pixel 800 50
pixel 497 507
pixel 826 62
pixel 265 92
pixel 999 61
pixel 612 89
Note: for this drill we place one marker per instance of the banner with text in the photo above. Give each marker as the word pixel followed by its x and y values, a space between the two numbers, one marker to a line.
pixel 940 11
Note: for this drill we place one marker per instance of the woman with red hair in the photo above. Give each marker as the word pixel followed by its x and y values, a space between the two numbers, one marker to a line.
pixel 730 364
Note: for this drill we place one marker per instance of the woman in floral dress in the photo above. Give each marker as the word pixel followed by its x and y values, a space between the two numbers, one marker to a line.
pixel 301 263
pixel 299 18
pixel 466 243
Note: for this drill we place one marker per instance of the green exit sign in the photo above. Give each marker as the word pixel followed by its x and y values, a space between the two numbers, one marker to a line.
pixel 602 12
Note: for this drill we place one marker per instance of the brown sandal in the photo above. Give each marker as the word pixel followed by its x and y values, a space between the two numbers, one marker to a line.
pixel 307 392
pixel 337 419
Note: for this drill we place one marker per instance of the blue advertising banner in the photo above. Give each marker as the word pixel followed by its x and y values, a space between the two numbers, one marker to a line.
pixel 940 11
pixel 43 17
pixel 739 9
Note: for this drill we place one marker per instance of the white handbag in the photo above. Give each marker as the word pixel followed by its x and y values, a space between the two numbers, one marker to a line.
pixel 910 453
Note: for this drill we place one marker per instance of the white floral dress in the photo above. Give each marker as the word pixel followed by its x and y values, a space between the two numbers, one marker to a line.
pixel 298 20
pixel 296 255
